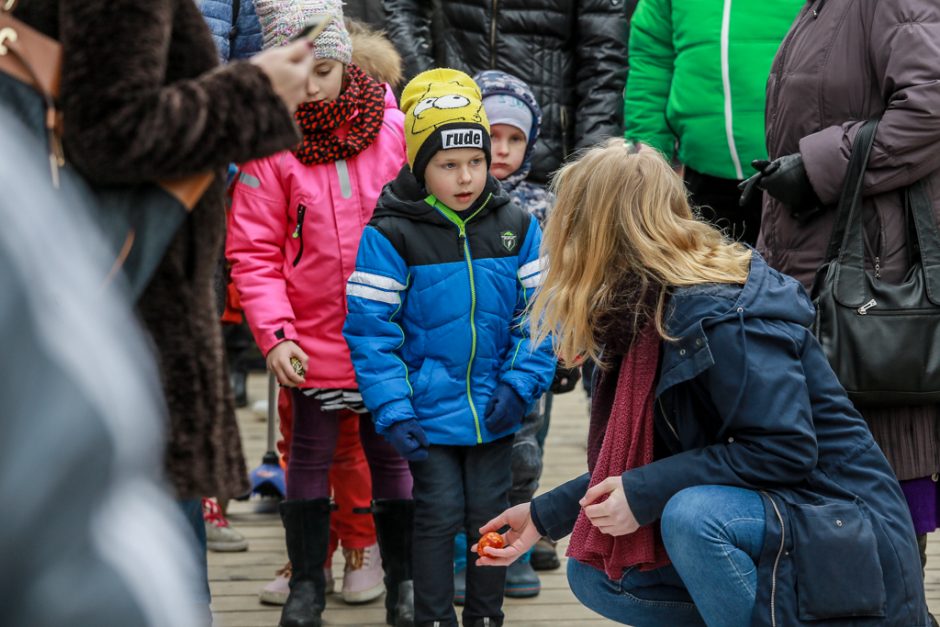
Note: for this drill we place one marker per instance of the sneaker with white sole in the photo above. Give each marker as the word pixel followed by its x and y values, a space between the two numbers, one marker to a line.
pixel 219 533
pixel 276 591
pixel 363 577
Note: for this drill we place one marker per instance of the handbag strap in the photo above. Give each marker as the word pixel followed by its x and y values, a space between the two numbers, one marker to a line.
pixel 851 196
pixel 927 242
pixel 847 242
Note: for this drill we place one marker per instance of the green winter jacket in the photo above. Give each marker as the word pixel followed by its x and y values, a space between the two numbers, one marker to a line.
pixel 698 73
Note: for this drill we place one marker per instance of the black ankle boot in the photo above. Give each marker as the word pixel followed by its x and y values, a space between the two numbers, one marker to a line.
pixel 394 529
pixel 239 378
pixel 307 527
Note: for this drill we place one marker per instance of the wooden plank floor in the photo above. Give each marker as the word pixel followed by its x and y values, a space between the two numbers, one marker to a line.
pixel 236 578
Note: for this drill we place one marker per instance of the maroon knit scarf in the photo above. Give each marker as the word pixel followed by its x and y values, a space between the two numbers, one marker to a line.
pixel 362 104
pixel 627 443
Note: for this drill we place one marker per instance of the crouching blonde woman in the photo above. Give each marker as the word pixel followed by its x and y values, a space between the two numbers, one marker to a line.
pixel 731 482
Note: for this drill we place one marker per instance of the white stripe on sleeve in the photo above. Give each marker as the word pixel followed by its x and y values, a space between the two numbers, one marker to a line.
pixel 533 281
pixel 370 293
pixel 375 280
pixel 530 268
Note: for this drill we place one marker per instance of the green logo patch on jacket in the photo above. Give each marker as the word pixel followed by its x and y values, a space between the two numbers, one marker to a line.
pixel 509 240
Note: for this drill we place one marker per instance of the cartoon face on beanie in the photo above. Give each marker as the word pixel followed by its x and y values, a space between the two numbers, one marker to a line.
pixel 443 110
pixel 282 20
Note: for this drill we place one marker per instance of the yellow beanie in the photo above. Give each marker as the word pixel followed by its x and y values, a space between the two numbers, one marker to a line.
pixel 443 110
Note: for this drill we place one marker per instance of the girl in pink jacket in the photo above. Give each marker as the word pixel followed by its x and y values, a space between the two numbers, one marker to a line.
pixel 294 232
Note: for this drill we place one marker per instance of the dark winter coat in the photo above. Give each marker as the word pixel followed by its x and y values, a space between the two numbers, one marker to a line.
pixel 369 11
pixel 746 398
pixel 843 62
pixel 572 53
pixel 142 99
pixel 235 27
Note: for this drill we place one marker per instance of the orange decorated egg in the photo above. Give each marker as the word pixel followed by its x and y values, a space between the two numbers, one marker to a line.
pixel 492 539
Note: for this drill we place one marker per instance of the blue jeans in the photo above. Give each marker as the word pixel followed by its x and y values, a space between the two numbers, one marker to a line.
pixel 192 512
pixel 457 488
pixel 714 535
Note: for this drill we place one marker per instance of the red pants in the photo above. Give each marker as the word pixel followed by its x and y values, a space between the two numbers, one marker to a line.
pixel 349 479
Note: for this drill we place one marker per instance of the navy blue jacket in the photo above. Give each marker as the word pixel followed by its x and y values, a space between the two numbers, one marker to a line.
pixel 235 38
pixel 437 311
pixel 747 399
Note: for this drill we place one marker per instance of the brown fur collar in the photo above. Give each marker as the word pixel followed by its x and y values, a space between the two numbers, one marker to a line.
pixel 374 53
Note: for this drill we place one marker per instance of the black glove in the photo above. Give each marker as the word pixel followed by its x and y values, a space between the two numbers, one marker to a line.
pixel 785 179
pixel 565 379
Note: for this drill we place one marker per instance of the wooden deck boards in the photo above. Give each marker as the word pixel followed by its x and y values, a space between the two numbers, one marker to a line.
pixel 236 578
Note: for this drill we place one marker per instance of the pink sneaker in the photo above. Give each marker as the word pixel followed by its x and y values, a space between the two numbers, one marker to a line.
pixel 363 577
pixel 275 592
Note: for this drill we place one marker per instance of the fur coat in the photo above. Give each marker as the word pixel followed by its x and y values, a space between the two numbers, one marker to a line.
pixel 143 99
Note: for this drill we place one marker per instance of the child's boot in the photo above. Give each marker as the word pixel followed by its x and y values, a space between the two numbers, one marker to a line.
pixel 394 527
pixel 544 555
pixel 522 582
pixel 307 527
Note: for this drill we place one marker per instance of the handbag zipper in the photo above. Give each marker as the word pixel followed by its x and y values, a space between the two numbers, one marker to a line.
pixel 863 310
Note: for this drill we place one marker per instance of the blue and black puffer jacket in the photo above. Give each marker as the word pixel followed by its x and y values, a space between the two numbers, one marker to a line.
pixel 235 28
pixel 437 311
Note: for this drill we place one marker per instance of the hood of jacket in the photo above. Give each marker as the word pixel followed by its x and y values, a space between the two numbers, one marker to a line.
pixel 405 197
pixel 767 295
pixel 496 83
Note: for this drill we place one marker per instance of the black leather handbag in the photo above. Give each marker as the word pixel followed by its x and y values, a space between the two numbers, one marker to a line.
pixel 882 339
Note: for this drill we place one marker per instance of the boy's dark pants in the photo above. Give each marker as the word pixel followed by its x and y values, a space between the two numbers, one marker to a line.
pixel 458 488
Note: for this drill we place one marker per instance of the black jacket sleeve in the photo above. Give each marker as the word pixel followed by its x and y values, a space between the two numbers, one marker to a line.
pixel 555 513
pixel 408 23
pixel 602 70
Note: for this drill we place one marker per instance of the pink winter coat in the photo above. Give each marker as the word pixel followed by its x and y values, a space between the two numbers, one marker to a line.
pixel 293 235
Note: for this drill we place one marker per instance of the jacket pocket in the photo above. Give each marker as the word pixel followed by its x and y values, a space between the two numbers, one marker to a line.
pixel 423 378
pixel 298 233
pixel 838 573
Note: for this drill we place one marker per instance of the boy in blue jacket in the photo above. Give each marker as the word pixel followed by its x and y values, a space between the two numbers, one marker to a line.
pixel 439 338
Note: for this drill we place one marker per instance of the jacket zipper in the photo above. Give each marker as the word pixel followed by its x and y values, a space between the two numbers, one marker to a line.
pixel 299 232
pixel 726 89
pixel 773 579
pixel 563 118
pixel 462 243
pixel 493 37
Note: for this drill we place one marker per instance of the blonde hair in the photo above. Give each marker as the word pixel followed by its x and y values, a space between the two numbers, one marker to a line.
pixel 622 215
